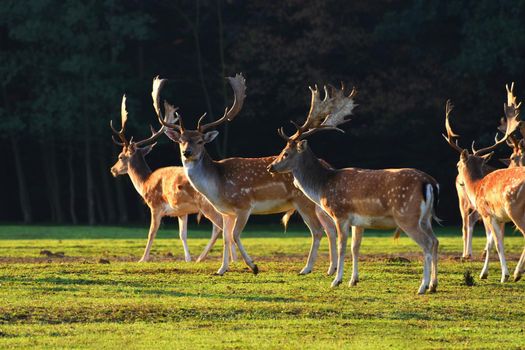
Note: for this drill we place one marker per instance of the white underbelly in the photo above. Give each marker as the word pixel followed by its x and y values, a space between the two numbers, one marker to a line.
pixel 271 207
pixel 381 222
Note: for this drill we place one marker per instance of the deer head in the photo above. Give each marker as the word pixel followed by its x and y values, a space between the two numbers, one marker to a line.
pixel 473 162
pixel 326 114
pixel 131 149
pixel 192 142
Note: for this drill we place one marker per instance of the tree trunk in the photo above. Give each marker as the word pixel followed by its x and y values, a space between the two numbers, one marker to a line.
pixel 90 200
pixel 71 174
pixel 49 164
pixel 224 150
pixel 107 193
pixel 100 207
pixel 23 194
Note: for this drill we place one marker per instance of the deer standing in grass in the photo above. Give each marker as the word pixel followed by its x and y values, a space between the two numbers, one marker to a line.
pixel 469 215
pixel 361 198
pixel 498 196
pixel 166 191
pixel 240 187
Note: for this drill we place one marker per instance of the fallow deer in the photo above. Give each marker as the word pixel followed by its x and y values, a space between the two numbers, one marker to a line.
pixel 498 196
pixel 361 198
pixel 240 187
pixel 166 191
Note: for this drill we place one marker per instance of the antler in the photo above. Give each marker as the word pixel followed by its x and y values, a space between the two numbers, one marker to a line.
pixel 238 84
pixel 171 115
pixel 326 114
pixel 169 118
pixel 451 136
pixel 511 123
pixel 124 119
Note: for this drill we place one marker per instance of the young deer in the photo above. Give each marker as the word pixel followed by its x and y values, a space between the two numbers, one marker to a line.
pixel 166 191
pixel 240 187
pixel 498 196
pixel 361 198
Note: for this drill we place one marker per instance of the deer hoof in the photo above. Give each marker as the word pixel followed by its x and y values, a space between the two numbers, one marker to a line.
pixel 484 275
pixel 305 271
pixel 517 277
pixel 432 288
pixel 335 283
pixel 353 282
pixel 505 278
pixel 255 269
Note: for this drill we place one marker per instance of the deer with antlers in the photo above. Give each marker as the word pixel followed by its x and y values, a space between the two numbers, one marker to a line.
pixel 498 196
pixel 360 198
pixel 240 187
pixel 166 191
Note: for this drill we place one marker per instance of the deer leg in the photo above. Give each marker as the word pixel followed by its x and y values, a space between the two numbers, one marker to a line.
pixel 153 228
pixel 228 223
pixel 216 231
pixel 472 218
pixel 519 221
pixel 488 247
pixel 425 238
pixel 357 235
pixel 183 235
pixel 497 235
pixel 316 230
pixel 240 222
pixel 342 238
pixel 331 233
pixel 233 251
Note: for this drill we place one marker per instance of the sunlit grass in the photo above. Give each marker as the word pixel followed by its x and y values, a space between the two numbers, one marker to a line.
pixel 76 301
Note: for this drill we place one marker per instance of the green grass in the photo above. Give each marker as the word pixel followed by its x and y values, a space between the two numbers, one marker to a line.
pixel 76 302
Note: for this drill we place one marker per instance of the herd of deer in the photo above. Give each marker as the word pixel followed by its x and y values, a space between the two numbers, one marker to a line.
pixel 329 200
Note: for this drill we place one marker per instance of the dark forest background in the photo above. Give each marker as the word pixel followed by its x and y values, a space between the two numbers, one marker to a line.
pixel 64 66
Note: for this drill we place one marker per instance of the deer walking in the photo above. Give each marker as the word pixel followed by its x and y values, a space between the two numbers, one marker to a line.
pixel 240 187
pixel 361 198
pixel 166 191
pixel 498 196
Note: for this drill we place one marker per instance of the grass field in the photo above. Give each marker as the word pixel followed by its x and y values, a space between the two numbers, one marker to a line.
pixel 77 301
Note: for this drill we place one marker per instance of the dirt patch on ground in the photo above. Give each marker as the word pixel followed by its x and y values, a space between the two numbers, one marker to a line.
pixel 403 258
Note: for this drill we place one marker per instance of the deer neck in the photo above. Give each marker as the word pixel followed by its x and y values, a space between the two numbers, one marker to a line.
pixel 310 175
pixel 203 175
pixel 139 172
pixel 472 177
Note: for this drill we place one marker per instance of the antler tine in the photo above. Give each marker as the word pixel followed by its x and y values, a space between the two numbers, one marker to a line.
pixel 281 133
pixel 169 119
pixel 238 84
pixel 511 141
pixel 450 134
pixel 124 120
pixel 512 121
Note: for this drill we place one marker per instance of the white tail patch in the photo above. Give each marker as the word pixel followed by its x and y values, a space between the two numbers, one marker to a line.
pixel 425 216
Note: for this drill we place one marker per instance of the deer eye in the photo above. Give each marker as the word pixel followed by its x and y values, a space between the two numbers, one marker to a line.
pixel 285 154
pixel 200 142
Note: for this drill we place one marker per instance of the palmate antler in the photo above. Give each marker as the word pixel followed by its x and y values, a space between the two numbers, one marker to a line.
pixel 511 122
pixel 238 84
pixel 124 119
pixel 170 117
pixel 326 114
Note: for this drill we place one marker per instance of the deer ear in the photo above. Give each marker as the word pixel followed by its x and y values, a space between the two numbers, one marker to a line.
pixel 145 150
pixel 464 155
pixel 301 146
pixel 210 136
pixel 505 161
pixel 173 135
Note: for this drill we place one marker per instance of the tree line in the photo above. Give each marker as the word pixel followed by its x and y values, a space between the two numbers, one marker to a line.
pixel 65 65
